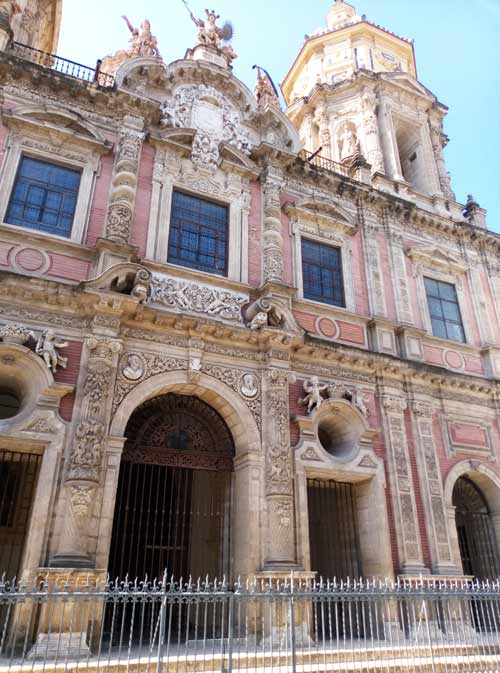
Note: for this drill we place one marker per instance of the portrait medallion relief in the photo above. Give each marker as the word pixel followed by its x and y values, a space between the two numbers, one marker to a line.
pixel 249 385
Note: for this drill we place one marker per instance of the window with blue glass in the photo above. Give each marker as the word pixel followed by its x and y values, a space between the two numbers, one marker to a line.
pixel 198 235
pixel 44 197
pixel 322 273
pixel 444 310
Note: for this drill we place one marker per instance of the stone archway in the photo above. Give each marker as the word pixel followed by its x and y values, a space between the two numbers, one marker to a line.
pixel 245 551
pixel 472 498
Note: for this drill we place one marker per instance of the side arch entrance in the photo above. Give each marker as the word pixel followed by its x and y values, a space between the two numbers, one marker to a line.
pixel 173 504
pixel 477 539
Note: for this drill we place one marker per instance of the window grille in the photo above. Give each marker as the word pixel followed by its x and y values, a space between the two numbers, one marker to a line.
pixel 322 273
pixel 44 197
pixel 198 234
pixel 444 310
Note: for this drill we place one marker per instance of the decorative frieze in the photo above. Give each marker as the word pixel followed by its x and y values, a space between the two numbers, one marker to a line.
pixel 198 298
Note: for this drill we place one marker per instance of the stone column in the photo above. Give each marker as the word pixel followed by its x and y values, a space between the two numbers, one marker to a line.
pixel 373 148
pixel 125 177
pixel 431 487
pixel 402 487
pixel 389 143
pixel 322 120
pixel 281 548
pixel 84 459
pixel 273 268
pixel 438 141
pixel 374 272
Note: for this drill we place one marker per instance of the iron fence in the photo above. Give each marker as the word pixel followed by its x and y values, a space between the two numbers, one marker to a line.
pixel 63 65
pixel 288 625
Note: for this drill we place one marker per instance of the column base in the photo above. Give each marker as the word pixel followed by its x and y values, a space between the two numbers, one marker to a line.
pixel 59 647
pixel 72 561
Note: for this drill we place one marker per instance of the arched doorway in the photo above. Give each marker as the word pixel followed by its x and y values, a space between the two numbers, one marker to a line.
pixel 476 535
pixel 173 502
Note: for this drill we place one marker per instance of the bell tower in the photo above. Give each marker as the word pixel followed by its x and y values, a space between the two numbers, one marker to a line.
pixel 353 88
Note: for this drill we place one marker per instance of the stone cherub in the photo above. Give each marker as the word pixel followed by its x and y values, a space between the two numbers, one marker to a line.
pixel 313 399
pixel 142 42
pixel 46 348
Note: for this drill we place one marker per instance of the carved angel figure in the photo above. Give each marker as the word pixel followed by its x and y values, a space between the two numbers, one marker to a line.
pixel 209 34
pixel 46 348
pixel 142 42
pixel 313 399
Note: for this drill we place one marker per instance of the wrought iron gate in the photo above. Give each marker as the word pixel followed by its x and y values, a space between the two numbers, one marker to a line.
pixel 476 535
pixel 18 477
pixel 173 502
pixel 333 529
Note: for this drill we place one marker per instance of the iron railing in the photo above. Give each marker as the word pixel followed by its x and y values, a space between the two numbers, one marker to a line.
pixel 63 65
pixel 320 161
pixel 271 625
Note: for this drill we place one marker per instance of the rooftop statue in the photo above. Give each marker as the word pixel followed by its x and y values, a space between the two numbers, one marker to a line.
pixel 211 35
pixel 264 92
pixel 142 42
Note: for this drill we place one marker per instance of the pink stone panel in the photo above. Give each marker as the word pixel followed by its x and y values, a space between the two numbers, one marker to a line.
pixel 387 270
pixel 70 268
pixel 359 276
pixel 69 376
pixel 466 434
pixel 255 235
pixel 287 243
pixel 140 224
pixel 5 249
pixel 473 364
pixel 352 333
pixel 453 360
pixel 327 328
pixel 433 355
pixel 100 201
pixel 30 259
pixel 306 320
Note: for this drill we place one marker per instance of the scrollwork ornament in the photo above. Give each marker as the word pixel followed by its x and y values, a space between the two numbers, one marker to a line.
pixel 86 457
pixel 393 404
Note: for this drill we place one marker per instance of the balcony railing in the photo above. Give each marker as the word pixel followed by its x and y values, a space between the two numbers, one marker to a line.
pixel 281 626
pixel 63 65
pixel 322 162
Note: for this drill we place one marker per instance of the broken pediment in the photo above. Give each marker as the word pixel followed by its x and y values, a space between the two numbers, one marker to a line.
pixel 433 256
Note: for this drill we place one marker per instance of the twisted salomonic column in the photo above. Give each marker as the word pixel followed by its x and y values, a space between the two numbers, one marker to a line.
pixel 86 451
pixel 124 183
pixel 273 239
pixel 438 140
pixel 374 154
pixel 280 551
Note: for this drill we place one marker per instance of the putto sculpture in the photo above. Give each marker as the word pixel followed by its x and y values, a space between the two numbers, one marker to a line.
pixel 313 400
pixel 142 42
pixel 47 347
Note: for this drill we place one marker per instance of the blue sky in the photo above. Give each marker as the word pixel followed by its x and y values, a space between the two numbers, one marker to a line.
pixel 456 41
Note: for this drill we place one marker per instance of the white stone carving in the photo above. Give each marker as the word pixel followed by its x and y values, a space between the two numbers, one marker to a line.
pixel 313 400
pixel 205 109
pixel 249 387
pixel 47 348
pixel 12 333
pixel 197 298
pixel 133 368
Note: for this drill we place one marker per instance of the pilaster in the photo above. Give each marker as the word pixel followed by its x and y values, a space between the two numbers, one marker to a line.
pixel 431 487
pixel 402 486
pixel 273 266
pixel 281 548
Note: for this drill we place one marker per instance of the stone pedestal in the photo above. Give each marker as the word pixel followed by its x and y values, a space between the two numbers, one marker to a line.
pixel 208 54
pixel 66 624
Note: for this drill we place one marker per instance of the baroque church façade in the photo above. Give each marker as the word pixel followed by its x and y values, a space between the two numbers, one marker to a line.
pixel 238 340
